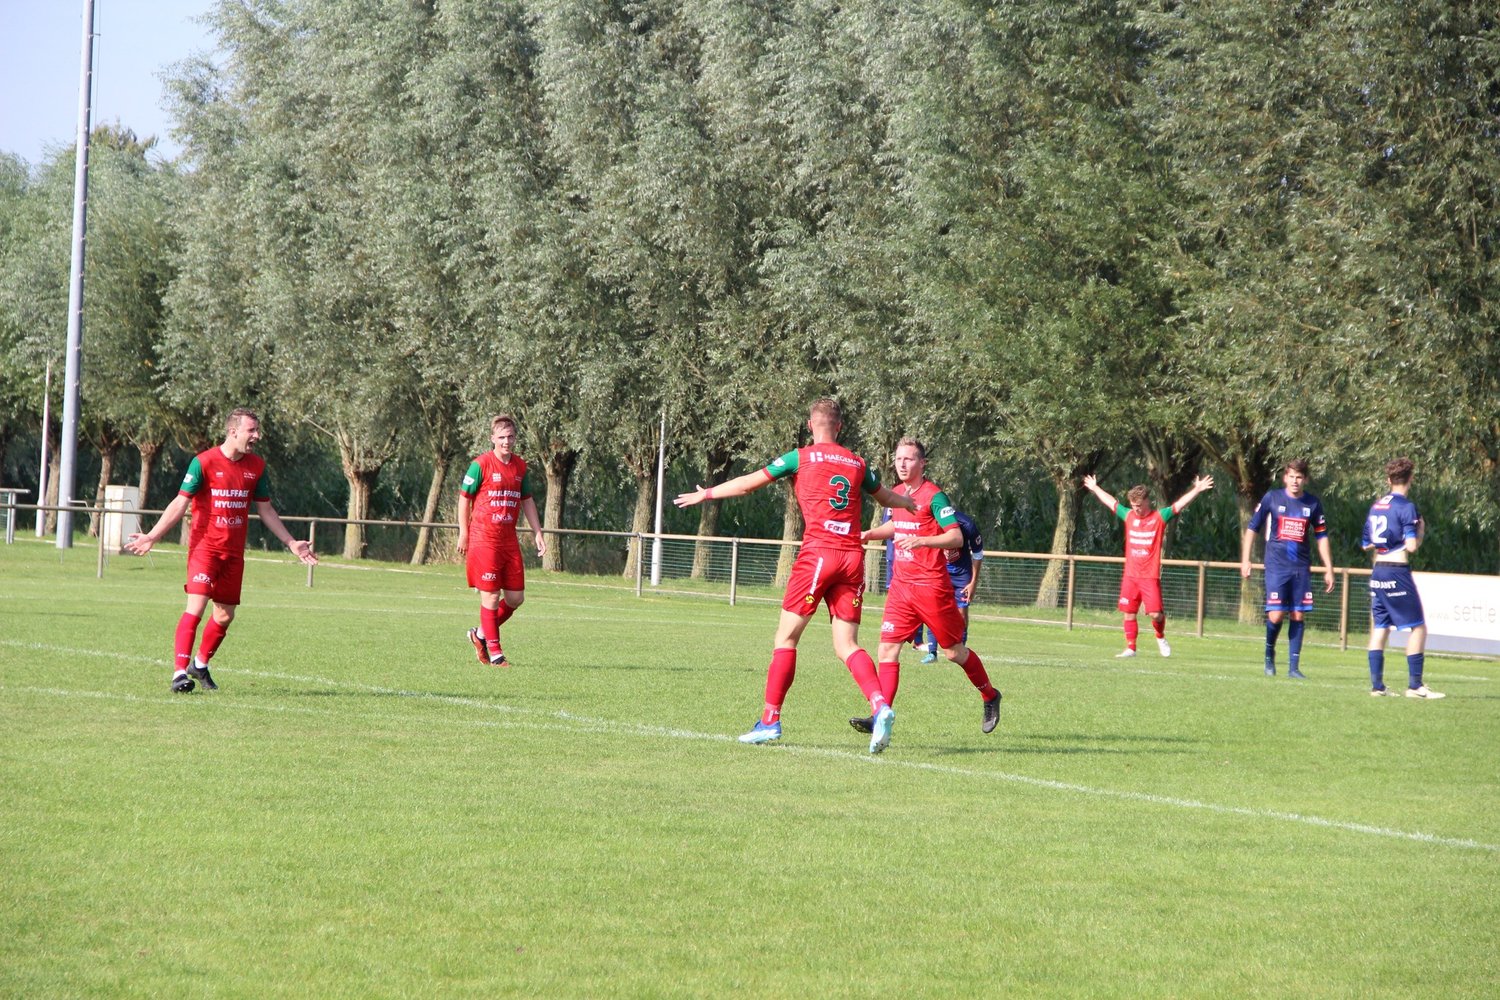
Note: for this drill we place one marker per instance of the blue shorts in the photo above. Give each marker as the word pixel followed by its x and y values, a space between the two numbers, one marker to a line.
pixel 1394 601
pixel 1289 588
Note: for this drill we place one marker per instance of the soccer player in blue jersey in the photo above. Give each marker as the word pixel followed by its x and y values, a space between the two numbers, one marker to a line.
pixel 1291 520
pixel 1393 530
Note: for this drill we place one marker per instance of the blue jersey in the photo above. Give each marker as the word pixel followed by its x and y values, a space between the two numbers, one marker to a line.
pixel 961 569
pixel 1391 521
pixel 1290 525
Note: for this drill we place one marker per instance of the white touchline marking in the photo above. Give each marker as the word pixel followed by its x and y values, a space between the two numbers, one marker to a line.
pixel 580 723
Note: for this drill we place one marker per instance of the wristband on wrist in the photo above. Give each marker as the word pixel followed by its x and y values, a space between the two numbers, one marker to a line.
pixel 708 494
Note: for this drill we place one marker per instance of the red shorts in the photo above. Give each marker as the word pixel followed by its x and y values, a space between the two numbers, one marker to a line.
pixel 1138 590
pixel 908 606
pixel 493 570
pixel 216 575
pixel 834 576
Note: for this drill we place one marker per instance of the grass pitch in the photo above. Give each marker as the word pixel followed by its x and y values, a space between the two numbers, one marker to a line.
pixel 365 811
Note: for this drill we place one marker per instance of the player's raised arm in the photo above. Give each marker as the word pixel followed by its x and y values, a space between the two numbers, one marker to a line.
pixel 1091 484
pixel 736 487
pixel 1201 484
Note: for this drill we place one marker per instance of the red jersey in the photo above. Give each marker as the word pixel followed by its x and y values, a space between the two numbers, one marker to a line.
pixel 829 481
pixel 222 490
pixel 497 489
pixel 934 515
pixel 1143 538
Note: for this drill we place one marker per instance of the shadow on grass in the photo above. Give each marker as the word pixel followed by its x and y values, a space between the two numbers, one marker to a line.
pixel 1062 744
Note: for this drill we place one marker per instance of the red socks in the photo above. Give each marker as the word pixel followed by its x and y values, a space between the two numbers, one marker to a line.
pixel 871 684
pixel 187 631
pixel 779 677
pixel 213 634
pixel 1132 631
pixel 974 667
pixel 1160 625
pixel 890 680
pixel 489 626
pixel 503 613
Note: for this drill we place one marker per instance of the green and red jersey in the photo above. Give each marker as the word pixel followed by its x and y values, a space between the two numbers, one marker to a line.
pixel 222 490
pixel 497 489
pixel 934 516
pixel 829 481
pixel 1143 538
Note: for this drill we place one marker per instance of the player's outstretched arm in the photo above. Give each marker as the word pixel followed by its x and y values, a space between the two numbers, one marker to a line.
pixel 141 544
pixel 879 533
pixel 1091 484
pixel 1201 484
pixel 736 487
pixel 887 497
pixel 300 547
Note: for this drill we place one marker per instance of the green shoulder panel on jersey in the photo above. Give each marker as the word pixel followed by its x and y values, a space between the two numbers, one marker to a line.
pixel 943 510
pixel 526 484
pixel 470 486
pixel 263 485
pixel 783 466
pixel 1167 513
pixel 1121 511
pixel 871 481
pixel 193 478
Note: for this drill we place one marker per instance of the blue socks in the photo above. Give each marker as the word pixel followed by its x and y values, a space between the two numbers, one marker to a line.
pixel 1294 642
pixel 1273 631
pixel 1414 665
pixel 1377 668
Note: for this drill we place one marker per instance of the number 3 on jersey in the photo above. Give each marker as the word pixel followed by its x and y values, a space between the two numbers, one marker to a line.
pixel 841 488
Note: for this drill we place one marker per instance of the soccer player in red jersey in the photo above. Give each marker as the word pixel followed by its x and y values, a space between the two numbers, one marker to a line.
pixel 921 591
pixel 495 489
pixel 829 482
pixel 220 485
pixel 1144 530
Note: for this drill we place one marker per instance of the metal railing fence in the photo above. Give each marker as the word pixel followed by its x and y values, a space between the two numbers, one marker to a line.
pixel 749 569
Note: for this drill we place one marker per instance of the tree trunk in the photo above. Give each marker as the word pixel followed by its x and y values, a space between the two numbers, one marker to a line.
pixel 361 486
pixel 54 471
pixel 150 451
pixel 640 517
pixel 430 509
pixel 791 530
pixel 559 465
pixel 1049 591
pixel 719 461
pixel 107 450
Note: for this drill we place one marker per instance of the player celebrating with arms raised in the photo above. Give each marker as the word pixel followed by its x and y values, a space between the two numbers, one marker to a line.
pixel 1145 529
pixel 495 489
pixel 829 481
pixel 921 590
pixel 220 485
